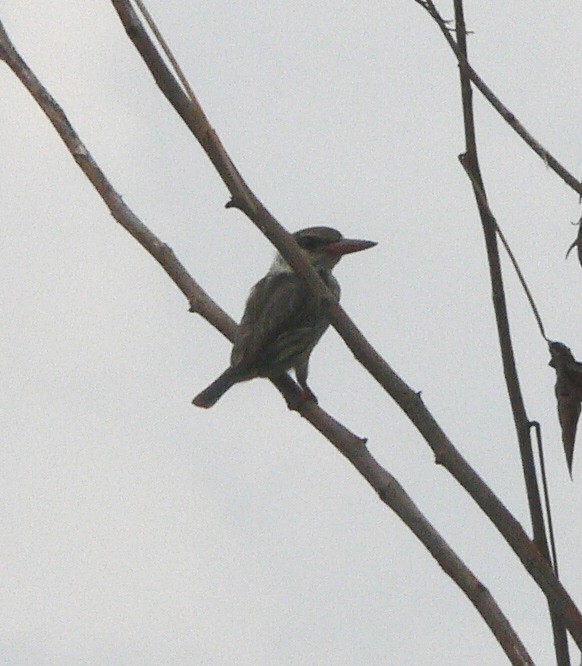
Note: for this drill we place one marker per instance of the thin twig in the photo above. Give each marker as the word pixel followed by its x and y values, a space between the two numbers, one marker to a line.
pixel 480 194
pixel 578 242
pixel 496 103
pixel 538 430
pixel 167 50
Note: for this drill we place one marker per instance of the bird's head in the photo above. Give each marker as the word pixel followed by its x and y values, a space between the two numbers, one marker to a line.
pixel 323 246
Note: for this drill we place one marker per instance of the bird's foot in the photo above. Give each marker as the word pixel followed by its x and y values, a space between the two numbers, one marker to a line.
pixel 297 400
pixel 307 395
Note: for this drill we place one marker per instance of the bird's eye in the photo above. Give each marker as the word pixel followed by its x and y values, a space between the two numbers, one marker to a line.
pixel 308 242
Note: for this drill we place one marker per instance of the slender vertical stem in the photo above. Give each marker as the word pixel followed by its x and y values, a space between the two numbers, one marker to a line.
pixel 522 424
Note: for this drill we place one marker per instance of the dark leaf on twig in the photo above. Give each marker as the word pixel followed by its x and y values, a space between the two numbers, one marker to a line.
pixel 568 393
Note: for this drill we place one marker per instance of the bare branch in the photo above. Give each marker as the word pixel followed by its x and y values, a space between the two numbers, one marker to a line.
pixel 470 162
pixel 409 401
pixel 496 103
pixel 350 446
pixel 484 204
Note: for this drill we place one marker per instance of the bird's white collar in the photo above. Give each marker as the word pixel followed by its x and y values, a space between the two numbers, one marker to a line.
pixel 279 266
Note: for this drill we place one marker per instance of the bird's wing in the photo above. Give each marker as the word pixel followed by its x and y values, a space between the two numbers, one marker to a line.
pixel 278 305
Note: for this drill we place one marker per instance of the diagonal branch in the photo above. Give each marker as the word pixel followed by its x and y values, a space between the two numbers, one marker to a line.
pixel 497 104
pixel 409 401
pixel 350 446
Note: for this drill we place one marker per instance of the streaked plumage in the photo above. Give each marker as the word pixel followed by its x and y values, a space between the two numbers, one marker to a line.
pixel 283 321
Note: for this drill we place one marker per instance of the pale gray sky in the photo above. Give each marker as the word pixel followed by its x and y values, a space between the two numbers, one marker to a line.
pixel 139 530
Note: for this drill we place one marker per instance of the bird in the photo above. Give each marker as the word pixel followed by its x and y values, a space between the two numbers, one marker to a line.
pixel 283 321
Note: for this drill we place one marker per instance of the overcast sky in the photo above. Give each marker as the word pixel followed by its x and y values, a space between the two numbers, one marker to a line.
pixel 136 529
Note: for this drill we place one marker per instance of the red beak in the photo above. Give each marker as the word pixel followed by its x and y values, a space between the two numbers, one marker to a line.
pixel 347 246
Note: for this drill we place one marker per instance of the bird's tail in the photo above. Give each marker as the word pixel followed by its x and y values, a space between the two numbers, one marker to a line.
pixel 217 389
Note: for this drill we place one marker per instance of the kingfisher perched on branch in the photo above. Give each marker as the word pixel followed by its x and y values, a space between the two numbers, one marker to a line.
pixel 283 320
